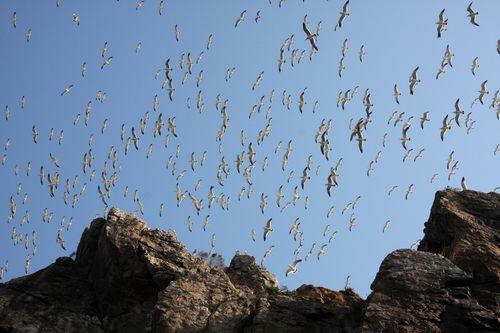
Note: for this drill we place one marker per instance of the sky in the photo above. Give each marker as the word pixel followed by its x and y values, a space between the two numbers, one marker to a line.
pixel 397 37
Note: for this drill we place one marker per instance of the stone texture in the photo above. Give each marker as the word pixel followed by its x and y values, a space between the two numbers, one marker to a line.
pixel 244 271
pixel 465 228
pixel 424 292
pixel 129 278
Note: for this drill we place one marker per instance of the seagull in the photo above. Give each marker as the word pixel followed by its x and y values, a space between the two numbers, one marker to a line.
pixel 361 53
pixel 458 112
pixel 257 16
pixel 293 267
pixel 27 264
pixel 268 251
pixel 409 191
pixel 343 14
pixel 84 69
pixel 311 250
pixel 54 160
pixel 447 57
pixel 424 118
pixel 433 177
pixel 441 70
pixel 345 47
pixel 331 181
pixel 76 19
pixel 176 32
pixel 450 159
pixel 332 236
pixel 361 142
pixel 106 62
pixel 346 283
pixel 268 228
pixel 414 80
pixel 483 92
pixel 305 177
pixel 67 90
pixel 240 18
pixel 408 153
pixel 59 239
pixel 263 202
pixel 463 184
pixel 441 24
pixel 139 5
pixel 474 66
pixel 386 225
pixel 279 196
pixel 472 15
pixel 209 41
pixel 28 35
pixel 258 80
pixel 405 137
pixel 253 234
pixel 446 127
pixel 396 93
pixel 309 36
pixel 419 154
pixel 341 67
pixel 454 170
pixel 14 20
pixel 495 100
pixel 160 8
pixel 322 250
pixel 171 90
pixel 370 168
pixel 392 189
pixel 281 61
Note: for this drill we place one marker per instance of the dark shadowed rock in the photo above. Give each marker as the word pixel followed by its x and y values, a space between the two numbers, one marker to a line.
pixel 424 292
pixel 129 278
pixel 244 271
pixel 465 228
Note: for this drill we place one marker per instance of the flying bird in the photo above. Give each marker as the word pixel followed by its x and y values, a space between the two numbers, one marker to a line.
pixel 268 228
pixel 67 90
pixel 472 15
pixel 343 14
pixel 292 269
pixel 240 18
pixel 442 23
pixel 414 80
pixel 309 36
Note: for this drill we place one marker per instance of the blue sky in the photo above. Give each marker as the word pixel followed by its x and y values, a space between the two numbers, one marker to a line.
pixel 398 36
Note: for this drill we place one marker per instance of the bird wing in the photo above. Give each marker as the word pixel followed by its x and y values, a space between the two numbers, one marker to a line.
pixel 306 29
pixel 469 9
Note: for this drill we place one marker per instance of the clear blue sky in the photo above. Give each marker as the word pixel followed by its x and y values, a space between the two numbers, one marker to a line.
pixel 398 36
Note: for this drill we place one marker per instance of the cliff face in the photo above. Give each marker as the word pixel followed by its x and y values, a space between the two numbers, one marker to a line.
pixel 128 278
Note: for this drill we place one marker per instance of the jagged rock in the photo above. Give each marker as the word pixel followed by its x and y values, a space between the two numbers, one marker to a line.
pixel 424 292
pixel 244 271
pixel 465 228
pixel 129 278
pixel 308 309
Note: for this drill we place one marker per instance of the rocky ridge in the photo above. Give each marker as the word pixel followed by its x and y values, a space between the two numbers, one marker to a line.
pixel 129 278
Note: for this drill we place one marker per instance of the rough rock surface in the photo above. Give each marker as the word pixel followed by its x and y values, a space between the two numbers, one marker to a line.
pixel 129 278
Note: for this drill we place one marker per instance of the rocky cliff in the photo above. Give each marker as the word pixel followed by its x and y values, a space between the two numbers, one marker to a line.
pixel 128 278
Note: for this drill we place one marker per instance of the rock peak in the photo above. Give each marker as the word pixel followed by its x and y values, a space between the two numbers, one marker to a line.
pixel 129 278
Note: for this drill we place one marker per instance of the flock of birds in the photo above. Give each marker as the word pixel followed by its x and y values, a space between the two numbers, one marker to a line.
pixel 133 136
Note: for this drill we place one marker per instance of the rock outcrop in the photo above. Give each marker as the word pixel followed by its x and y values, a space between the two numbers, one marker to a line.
pixel 129 278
